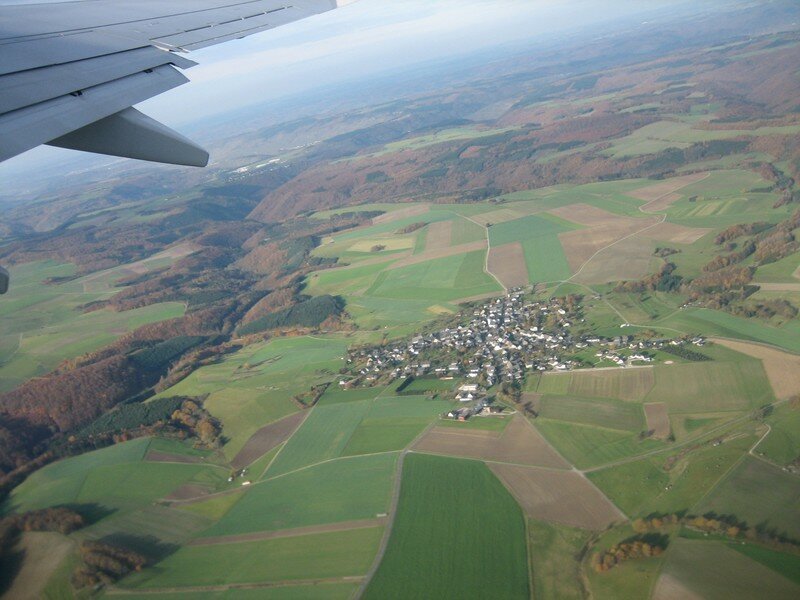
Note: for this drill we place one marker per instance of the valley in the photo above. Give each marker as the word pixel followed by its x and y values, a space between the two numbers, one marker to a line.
pixel 538 342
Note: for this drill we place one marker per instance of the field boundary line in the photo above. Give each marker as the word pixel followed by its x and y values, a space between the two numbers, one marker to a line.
pixel 709 433
pixel 116 591
pixel 488 250
pixel 395 501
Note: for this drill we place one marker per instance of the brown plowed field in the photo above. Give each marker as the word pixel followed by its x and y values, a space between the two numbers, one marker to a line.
pixel 519 443
pixel 507 263
pixel 153 456
pixel 562 497
pixel 780 287
pixel 783 369
pixel 439 236
pixel 657 419
pixel 441 253
pixel 188 491
pixel 582 244
pixel 677 234
pixel 403 213
pixel 283 533
pixel 657 191
pixel 591 216
pixel 266 438
pixel 626 260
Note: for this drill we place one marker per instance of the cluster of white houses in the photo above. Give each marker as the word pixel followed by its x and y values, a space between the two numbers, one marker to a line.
pixel 499 342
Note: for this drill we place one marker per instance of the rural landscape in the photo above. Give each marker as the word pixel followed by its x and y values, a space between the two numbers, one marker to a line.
pixel 529 332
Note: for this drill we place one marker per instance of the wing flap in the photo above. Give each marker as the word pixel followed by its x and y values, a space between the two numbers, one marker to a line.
pixel 28 127
pixel 25 88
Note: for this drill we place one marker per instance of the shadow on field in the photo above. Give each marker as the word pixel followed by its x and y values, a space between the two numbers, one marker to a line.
pixel 149 546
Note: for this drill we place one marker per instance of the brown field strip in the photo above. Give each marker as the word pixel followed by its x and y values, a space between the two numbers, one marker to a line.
pixel 478 297
pixel 591 216
pixel 267 438
pixel 507 263
pixel 604 228
pixel 562 497
pixel 519 443
pixel 155 456
pixel 626 260
pixel 403 213
pixel 440 234
pixel 284 533
pixel 656 192
pixel 779 287
pixel 783 369
pixel 511 212
pixel 189 491
pixel 677 234
pixel 441 253
pixel 657 419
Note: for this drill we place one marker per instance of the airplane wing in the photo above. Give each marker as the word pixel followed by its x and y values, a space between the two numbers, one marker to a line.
pixel 70 72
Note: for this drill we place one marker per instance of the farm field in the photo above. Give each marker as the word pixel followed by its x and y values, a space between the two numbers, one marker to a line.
pixel 612 414
pixel 557 496
pixel 43 324
pixel 709 387
pixel 317 591
pixel 488 529
pixel 553 554
pixel 670 481
pixel 588 446
pixel 253 387
pixel 341 490
pixel 517 443
pixel 712 570
pixel 758 492
pixel 625 384
pixel 782 444
pixel 317 556
pixel 117 488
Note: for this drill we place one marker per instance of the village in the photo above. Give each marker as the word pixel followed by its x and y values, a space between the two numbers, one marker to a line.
pixel 500 342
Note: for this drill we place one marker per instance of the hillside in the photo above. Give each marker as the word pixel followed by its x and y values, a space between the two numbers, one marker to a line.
pixel 531 331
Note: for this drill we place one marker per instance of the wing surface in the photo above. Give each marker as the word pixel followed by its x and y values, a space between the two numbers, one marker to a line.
pixel 71 71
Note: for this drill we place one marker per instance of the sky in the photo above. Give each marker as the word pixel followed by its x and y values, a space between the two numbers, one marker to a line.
pixel 362 39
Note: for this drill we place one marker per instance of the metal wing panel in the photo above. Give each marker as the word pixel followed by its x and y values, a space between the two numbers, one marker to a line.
pixel 66 65
pixel 34 125
pixel 25 88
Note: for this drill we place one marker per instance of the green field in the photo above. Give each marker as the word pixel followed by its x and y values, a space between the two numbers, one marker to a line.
pixel 318 591
pixel 623 384
pixel 611 414
pixel 711 386
pixel 43 324
pixel 554 552
pixel 713 322
pixel 760 494
pixel 631 580
pixel 589 446
pixel 538 235
pixel 782 445
pixel 253 387
pixel 644 486
pixel 341 490
pixel 323 436
pixel 438 280
pixel 458 534
pixel 393 422
pixel 661 135
pixel 713 570
pixel 116 478
pixel 315 556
